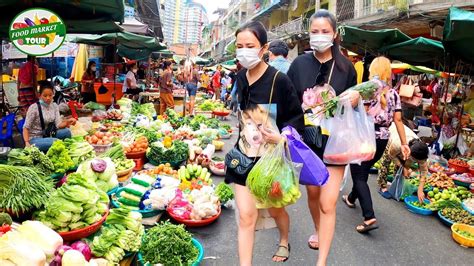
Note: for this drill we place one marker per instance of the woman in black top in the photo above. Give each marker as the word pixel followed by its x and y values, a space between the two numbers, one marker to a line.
pixel 263 114
pixel 306 71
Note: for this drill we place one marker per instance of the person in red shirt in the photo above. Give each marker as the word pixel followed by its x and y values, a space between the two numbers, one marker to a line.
pixel 87 90
pixel 216 82
pixel 27 83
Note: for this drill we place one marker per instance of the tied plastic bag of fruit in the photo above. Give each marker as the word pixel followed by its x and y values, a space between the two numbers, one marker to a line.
pixel 352 135
pixel 273 181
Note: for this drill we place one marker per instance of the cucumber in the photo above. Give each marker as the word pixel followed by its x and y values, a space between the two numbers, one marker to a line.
pixel 128 202
pixel 203 173
pixel 199 170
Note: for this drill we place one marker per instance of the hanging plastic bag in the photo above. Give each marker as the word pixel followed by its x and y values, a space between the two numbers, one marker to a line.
pixel 352 135
pixel 314 172
pixel 273 180
pixel 396 189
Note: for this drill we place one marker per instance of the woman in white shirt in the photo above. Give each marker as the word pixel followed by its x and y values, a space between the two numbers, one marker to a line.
pixel 130 83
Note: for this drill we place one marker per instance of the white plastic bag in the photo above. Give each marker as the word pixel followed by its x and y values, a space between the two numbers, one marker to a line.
pixel 352 135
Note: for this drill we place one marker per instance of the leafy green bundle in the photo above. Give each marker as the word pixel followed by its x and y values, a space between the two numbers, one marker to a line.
pixel 177 153
pixel 31 157
pixel 22 189
pixel 168 244
pixel 122 233
pixel 59 155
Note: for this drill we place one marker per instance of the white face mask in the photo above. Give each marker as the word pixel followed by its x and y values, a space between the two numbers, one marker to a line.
pixel 248 57
pixel 134 71
pixel 320 42
pixel 93 69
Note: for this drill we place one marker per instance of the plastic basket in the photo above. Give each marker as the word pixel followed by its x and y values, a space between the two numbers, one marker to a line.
pixel 136 155
pixel 192 223
pixel 222 114
pixel 459 169
pixel 462 240
pixel 445 220
pixel 197 262
pixel 415 209
pixel 83 232
pixel 99 149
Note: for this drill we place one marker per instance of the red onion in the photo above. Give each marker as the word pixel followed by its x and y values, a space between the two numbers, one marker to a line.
pixel 62 249
pixel 98 165
pixel 83 248
pixel 56 261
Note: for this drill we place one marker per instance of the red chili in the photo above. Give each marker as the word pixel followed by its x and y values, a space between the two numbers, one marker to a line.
pixel 5 228
pixel 19 25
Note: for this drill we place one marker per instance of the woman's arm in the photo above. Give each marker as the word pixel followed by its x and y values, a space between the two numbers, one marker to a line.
pixel 397 119
pixel 26 137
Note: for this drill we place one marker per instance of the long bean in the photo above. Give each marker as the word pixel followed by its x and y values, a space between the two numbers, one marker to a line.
pixel 22 189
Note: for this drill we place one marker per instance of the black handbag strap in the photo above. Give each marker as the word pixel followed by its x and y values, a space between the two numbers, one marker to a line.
pixel 41 116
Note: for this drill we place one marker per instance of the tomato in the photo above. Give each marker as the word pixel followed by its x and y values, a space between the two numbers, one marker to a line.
pixel 44 21
pixel 19 25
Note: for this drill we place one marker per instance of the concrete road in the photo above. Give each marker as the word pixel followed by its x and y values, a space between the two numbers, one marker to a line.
pixel 402 239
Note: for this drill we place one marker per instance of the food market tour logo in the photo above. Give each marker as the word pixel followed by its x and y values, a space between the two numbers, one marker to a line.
pixel 37 31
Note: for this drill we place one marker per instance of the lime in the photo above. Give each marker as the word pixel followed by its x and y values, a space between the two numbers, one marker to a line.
pixel 431 194
pixel 437 196
pixel 436 190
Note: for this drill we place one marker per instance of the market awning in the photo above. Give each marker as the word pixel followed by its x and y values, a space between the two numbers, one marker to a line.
pixel 361 41
pixel 130 40
pixel 201 61
pixel 458 36
pixel 418 51
pixel 133 53
pixel 85 16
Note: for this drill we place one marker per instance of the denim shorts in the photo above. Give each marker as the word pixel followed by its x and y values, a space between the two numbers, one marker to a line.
pixel 192 89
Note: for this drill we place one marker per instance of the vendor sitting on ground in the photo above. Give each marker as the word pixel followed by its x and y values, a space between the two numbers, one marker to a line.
pixel 419 154
pixel 34 131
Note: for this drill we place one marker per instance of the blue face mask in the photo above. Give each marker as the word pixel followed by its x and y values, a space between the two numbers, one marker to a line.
pixel 43 103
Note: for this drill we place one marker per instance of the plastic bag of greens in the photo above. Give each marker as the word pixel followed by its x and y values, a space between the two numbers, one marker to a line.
pixel 398 185
pixel 273 181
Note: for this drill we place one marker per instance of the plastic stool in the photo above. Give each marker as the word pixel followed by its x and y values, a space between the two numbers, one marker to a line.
pixel 7 137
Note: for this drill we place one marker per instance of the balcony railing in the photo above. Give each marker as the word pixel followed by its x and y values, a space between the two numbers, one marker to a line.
pixel 292 27
pixel 355 9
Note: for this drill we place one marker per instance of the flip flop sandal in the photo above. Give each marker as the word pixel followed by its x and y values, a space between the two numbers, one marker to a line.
pixel 345 199
pixel 283 252
pixel 313 239
pixel 366 227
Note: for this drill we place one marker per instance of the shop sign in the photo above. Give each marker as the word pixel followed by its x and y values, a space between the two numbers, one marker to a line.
pixel 37 31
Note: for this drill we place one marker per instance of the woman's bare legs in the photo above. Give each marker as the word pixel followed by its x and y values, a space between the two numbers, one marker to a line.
pixel 247 220
pixel 326 222
pixel 282 220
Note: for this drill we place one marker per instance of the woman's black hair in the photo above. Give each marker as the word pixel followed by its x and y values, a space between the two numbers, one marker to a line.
pixel 419 149
pixel 89 66
pixel 335 49
pixel 45 85
pixel 166 64
pixel 257 28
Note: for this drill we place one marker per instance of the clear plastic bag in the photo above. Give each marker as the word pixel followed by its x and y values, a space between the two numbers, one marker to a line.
pixel 352 135
pixel 273 181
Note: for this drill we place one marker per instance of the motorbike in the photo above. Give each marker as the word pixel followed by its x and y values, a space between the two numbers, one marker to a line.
pixel 65 91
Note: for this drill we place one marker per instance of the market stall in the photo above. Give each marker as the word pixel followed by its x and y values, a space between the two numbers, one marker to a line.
pixel 89 197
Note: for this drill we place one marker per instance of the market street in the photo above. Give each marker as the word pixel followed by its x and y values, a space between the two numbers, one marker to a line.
pixel 402 239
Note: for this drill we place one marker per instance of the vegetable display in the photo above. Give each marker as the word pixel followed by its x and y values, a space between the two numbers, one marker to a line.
pixel 168 244
pixel 440 180
pixel 447 198
pixel 32 243
pixel 224 192
pixel 195 205
pixel 31 156
pixel 101 138
pixel 79 151
pixel 139 145
pixel 178 152
pixel 465 234
pixel 75 205
pixel 59 155
pixel 22 189
pixel 458 215
pixel 101 171
pixel 162 169
pixel 122 233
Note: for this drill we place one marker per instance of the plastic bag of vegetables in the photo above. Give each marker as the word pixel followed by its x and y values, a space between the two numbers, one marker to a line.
pixel 274 180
